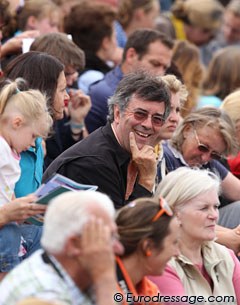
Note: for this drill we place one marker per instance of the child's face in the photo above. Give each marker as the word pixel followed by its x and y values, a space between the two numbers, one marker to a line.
pixel 24 135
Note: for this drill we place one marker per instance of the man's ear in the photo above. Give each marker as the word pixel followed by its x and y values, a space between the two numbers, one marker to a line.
pixel 17 122
pixel 73 246
pixel 117 114
pixel 131 56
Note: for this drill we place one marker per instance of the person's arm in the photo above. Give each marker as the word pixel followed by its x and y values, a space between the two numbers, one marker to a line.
pixel 236 276
pixel 229 237
pixel 20 209
pixel 231 187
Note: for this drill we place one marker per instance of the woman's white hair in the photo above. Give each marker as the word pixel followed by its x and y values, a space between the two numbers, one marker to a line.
pixel 184 184
pixel 67 214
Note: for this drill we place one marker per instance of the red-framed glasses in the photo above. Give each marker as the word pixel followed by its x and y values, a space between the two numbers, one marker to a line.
pixel 164 209
pixel 142 115
pixel 205 149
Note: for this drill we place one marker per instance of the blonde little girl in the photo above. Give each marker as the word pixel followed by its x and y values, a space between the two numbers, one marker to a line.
pixel 23 118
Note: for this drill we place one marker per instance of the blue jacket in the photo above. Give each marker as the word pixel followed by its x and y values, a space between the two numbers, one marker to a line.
pixel 99 93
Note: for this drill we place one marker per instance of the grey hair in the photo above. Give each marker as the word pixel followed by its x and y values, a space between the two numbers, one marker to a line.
pixel 143 85
pixel 67 214
pixel 213 117
pixel 184 184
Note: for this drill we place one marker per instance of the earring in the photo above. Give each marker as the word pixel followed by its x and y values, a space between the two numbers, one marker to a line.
pixel 148 253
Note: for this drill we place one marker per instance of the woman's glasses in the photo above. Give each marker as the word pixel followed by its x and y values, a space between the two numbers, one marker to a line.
pixel 141 115
pixel 164 209
pixel 205 149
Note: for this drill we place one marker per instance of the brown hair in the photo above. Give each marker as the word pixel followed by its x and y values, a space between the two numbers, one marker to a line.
pixel 186 57
pixel 89 23
pixel 135 224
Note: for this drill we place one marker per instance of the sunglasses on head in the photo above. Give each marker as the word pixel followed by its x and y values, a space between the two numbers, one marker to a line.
pixel 141 115
pixel 164 209
pixel 205 149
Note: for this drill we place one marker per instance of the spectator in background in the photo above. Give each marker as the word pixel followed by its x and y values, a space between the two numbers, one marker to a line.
pixel 199 23
pixel 76 265
pixel 186 57
pixel 232 106
pixel 119 158
pixel 147 50
pixel 71 128
pixel 222 77
pixel 134 15
pixel 41 15
pixel 91 25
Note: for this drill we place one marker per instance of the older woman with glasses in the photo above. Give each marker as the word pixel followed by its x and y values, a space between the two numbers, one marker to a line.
pixel 203 268
pixel 201 140
pixel 148 233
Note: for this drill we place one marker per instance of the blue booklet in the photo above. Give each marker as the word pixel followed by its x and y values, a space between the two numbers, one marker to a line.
pixel 55 186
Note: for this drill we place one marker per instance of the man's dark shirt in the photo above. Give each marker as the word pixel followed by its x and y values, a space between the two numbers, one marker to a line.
pixel 101 161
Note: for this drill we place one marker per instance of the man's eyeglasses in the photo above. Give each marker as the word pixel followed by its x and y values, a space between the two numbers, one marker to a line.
pixel 141 115
pixel 205 149
pixel 164 209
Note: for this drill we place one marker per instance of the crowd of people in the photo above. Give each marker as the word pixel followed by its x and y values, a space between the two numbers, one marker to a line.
pixel 140 98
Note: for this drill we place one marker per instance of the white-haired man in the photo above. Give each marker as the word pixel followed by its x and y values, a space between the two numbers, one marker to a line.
pixel 76 265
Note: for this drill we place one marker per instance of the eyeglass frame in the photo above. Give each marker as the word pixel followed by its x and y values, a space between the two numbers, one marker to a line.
pixel 205 149
pixel 146 115
pixel 164 208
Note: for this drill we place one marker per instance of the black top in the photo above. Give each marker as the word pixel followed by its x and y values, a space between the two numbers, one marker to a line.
pixel 99 160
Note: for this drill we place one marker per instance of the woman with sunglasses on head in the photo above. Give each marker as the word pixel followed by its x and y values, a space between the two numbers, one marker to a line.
pixel 201 140
pixel 148 233
pixel 203 268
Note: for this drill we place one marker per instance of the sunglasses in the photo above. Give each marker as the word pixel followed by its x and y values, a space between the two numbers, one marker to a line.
pixel 205 149
pixel 164 209
pixel 141 116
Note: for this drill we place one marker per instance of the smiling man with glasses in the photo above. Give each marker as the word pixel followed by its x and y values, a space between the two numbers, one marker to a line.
pixel 119 158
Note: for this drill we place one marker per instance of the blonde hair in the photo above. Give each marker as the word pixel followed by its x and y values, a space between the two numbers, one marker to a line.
pixel 231 105
pixel 184 184
pixel 176 86
pixel 31 104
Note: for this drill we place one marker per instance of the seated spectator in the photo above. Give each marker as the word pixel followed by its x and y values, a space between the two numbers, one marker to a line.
pixel 23 118
pixel 145 49
pixel 125 146
pixel 149 236
pixel 91 25
pixel 200 269
pixel 73 58
pixel 41 15
pixel 134 15
pixel 232 106
pixel 201 140
pixel 221 77
pixel 76 265
pixel 52 82
pixel 186 57
pixel 198 24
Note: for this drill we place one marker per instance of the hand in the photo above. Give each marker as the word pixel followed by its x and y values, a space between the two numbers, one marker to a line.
pixel 145 160
pixel 229 238
pixel 97 250
pixel 20 209
pixel 78 106
pixel 14 44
